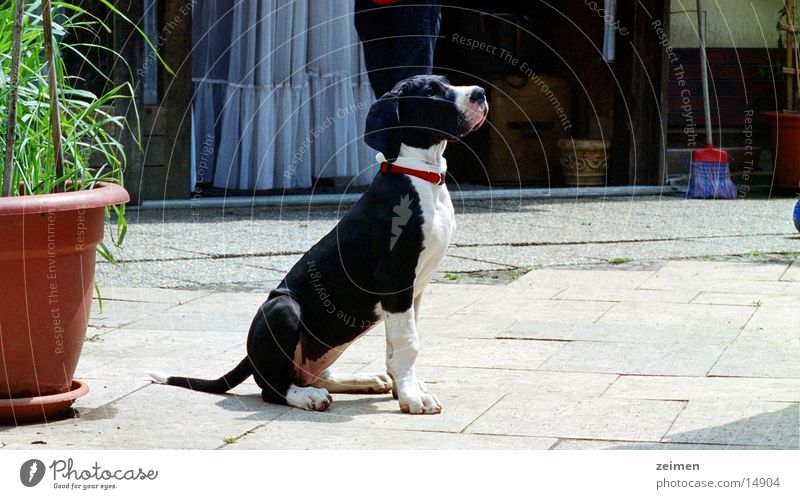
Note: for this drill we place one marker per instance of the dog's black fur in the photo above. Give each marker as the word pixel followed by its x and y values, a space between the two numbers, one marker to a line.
pixel 330 297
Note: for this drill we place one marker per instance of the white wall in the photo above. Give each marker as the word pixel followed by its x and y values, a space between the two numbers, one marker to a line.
pixel 729 23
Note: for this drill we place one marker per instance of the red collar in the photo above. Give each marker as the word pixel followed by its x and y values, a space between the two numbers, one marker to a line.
pixel 432 177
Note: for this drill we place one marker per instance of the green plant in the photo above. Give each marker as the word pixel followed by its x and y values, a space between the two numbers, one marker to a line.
pixel 451 277
pixel 89 130
pixel 619 261
pixel 230 440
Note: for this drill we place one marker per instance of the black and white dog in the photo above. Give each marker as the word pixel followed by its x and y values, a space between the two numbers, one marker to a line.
pixel 372 266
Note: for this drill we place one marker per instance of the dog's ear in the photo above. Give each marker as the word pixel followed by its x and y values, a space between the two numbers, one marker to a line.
pixel 383 123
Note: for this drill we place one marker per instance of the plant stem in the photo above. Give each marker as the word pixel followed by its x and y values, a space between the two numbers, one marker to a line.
pixel 55 121
pixel 11 129
pixel 791 54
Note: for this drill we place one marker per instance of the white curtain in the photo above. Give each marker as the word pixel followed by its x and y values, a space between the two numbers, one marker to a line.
pixel 281 94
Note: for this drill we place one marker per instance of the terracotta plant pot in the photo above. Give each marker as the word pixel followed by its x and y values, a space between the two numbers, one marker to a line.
pixel 584 162
pixel 47 259
pixel 784 132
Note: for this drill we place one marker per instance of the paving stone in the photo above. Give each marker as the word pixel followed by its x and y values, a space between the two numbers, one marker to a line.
pixel 234 320
pixel 116 314
pixel 610 219
pixel 704 388
pixel 744 422
pixel 780 336
pixel 131 353
pixel 607 419
pixel 140 246
pixel 792 273
pixel 460 326
pixel 776 318
pixel 619 333
pixel 494 353
pixel 366 349
pixel 462 404
pixel 686 359
pixel 239 233
pixel 155 417
pixel 678 315
pixel 303 435
pixel 277 263
pixel 458 261
pixel 721 271
pixel 225 302
pixel 441 301
pixel 733 361
pixel 718 286
pixel 618 245
pixel 747 299
pixel 497 292
pixel 106 386
pixel 150 295
pixel 525 257
pixel 465 394
pixel 568 444
pixel 193 274
pixel 604 279
pixel 751 356
pixel 522 309
pixel 587 293
pixel 516 383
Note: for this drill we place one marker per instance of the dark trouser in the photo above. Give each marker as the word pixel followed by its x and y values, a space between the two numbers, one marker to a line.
pixel 398 39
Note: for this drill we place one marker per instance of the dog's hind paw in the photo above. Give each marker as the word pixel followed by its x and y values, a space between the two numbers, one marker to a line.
pixel 309 398
pixel 381 383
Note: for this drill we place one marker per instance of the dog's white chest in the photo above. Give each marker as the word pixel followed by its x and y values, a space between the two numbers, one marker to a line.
pixel 437 229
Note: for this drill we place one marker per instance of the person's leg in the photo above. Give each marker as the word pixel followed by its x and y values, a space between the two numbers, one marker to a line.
pixel 398 40
pixel 416 30
pixel 374 27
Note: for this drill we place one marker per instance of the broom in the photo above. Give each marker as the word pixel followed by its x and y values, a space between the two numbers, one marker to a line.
pixel 709 175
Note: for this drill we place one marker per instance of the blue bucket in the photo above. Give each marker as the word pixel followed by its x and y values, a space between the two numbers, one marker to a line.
pixel 797 215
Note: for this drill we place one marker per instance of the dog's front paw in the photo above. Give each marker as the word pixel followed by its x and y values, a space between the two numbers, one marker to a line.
pixel 309 398
pixel 417 400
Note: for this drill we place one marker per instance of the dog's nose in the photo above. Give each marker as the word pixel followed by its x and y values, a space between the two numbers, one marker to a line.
pixel 477 95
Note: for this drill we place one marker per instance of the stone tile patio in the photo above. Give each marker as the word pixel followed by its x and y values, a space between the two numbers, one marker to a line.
pixel 683 354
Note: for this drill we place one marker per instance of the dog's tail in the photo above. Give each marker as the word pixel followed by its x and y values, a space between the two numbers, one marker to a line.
pixel 221 385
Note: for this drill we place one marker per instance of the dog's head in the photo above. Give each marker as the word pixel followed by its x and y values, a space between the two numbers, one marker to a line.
pixel 422 111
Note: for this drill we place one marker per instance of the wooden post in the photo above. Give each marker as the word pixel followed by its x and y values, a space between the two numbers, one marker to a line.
pixel 128 43
pixel 175 108
pixel 791 67
pixel 640 110
pixel 11 129
pixel 52 86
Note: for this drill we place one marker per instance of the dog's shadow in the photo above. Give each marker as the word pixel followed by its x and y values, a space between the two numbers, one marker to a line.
pixel 341 411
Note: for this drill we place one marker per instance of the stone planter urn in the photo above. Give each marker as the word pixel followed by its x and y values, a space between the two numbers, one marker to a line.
pixel 584 162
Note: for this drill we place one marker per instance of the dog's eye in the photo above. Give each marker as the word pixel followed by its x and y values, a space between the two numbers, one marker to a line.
pixel 431 90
